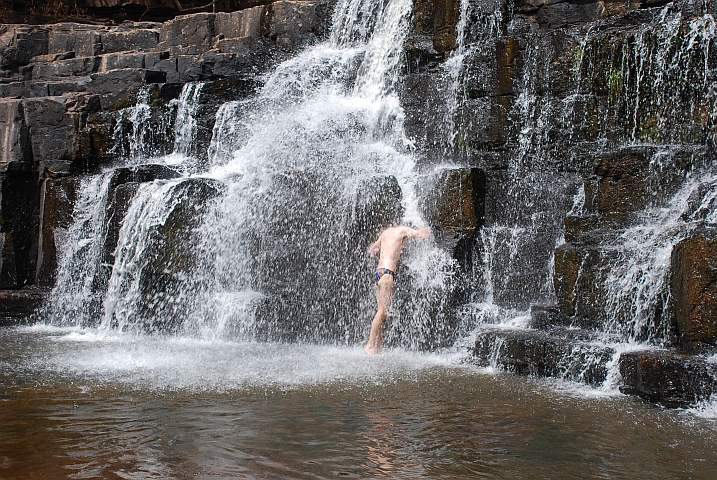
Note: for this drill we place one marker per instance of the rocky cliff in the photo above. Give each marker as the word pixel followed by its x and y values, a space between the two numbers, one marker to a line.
pixel 580 139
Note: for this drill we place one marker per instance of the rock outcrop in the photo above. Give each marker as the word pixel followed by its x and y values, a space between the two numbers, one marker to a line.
pixel 580 138
pixel 64 87
pixel 589 140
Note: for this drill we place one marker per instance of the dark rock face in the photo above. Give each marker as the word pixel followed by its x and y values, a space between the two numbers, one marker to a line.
pixel 621 184
pixel 17 305
pixel 669 379
pixel 57 202
pixel 694 290
pixel 567 354
pixel 453 205
pixel 19 217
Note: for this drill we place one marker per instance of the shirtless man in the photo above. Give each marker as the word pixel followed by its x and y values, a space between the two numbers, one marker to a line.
pixel 388 247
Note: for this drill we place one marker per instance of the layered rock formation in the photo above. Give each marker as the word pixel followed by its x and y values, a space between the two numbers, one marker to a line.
pixel 114 11
pixel 64 85
pixel 580 139
pixel 593 123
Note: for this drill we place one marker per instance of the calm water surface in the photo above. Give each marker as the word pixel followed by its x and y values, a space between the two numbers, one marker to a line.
pixel 76 405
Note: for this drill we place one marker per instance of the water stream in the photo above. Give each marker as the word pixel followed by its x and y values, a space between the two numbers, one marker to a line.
pixel 245 282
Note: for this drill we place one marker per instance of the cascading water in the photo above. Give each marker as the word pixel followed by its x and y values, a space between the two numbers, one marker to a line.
pixel 76 297
pixel 269 242
pixel 659 90
pixel 185 129
pixel 132 128
pixel 302 178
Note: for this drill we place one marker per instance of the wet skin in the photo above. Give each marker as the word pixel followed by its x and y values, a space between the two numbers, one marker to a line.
pixel 388 247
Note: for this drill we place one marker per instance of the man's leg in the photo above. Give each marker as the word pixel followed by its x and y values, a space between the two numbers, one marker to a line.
pixel 384 290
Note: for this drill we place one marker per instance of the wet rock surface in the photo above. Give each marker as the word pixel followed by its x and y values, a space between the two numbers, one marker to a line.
pixel 670 379
pixel 694 290
pixel 563 353
pixel 17 306
pixel 568 128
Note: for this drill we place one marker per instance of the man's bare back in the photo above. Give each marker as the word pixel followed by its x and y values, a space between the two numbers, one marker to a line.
pixel 390 244
pixel 388 247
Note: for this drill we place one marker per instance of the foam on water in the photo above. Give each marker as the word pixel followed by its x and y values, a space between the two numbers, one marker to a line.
pixel 160 363
pixel 706 409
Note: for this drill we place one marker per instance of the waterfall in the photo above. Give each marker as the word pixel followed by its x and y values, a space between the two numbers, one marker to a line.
pixel 270 243
pixel 185 125
pixel 76 298
pixel 637 284
pixel 132 129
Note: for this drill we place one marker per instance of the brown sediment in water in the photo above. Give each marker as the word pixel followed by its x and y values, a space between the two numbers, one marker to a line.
pixel 440 422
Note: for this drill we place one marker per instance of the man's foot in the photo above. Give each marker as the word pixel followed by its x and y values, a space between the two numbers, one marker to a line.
pixel 371 350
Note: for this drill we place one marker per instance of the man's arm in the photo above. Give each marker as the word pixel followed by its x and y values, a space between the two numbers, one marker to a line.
pixel 375 248
pixel 422 233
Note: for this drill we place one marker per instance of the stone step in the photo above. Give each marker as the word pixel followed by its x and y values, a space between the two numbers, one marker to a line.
pixel 671 379
pixel 668 378
pixel 17 306
pixel 572 354
pixel 84 66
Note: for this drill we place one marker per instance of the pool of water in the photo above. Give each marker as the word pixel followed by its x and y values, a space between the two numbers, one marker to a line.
pixel 77 404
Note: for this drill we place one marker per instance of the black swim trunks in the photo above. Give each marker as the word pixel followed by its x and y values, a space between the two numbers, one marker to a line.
pixel 380 272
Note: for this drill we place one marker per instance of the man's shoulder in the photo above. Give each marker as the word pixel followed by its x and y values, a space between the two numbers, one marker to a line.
pixel 395 231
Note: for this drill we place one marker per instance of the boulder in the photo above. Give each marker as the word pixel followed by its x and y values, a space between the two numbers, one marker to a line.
pixel 561 353
pixel 578 226
pixel 694 290
pixel 437 19
pixel 445 18
pixel 667 378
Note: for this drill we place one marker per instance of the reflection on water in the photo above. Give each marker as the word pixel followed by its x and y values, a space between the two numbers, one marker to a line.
pixel 172 409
